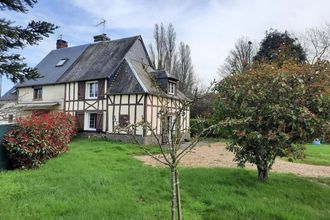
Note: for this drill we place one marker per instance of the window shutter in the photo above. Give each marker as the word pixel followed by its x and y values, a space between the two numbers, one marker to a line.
pixel 80 120
pixel 81 90
pixel 99 121
pixel 101 88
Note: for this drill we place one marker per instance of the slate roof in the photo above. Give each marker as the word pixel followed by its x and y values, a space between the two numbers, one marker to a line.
pixel 11 95
pixel 106 59
pixel 162 74
pixel 124 81
pixel 47 68
pixel 99 60
pixel 136 77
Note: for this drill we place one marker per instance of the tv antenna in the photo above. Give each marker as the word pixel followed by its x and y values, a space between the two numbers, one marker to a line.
pixel 102 22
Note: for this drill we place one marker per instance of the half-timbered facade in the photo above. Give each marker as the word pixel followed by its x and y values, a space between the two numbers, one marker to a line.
pixel 107 85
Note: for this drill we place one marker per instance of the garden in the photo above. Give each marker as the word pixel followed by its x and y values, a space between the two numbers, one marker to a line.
pixel 98 179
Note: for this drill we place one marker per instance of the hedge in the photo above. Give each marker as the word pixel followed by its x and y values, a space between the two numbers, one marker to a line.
pixel 37 138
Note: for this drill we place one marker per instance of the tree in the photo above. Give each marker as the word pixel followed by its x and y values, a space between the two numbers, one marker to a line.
pixel 176 61
pixel 239 59
pixel 17 37
pixel 316 42
pixel 173 151
pixel 162 52
pixel 204 107
pixel 183 70
pixel 272 111
pixel 277 47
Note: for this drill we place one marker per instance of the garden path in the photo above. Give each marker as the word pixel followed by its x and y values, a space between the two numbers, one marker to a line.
pixel 216 155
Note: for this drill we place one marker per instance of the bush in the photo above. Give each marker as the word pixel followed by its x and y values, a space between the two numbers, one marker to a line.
pixel 37 138
pixel 197 125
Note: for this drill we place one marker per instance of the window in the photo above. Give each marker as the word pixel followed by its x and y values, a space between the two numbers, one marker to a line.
pixel 92 120
pixel 37 93
pixel 10 118
pixel 92 89
pixel 123 120
pixel 171 89
pixel 61 62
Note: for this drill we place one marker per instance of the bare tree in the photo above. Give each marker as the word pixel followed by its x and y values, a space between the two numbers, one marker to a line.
pixel 239 59
pixel 176 61
pixel 170 48
pixel 184 71
pixel 316 42
pixel 163 50
pixel 173 151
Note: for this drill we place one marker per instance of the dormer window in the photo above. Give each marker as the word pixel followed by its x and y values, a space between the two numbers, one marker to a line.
pixel 171 88
pixel 61 62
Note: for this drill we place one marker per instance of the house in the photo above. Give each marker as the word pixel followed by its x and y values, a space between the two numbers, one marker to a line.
pixel 105 84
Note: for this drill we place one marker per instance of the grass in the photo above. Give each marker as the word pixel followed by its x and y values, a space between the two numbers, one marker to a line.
pixel 101 180
pixel 317 155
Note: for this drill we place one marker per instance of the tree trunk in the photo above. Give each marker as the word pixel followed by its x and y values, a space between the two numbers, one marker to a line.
pixel 263 174
pixel 178 196
pixel 174 197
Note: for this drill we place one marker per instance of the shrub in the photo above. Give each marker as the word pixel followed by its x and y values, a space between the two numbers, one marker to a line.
pixel 37 138
pixel 197 125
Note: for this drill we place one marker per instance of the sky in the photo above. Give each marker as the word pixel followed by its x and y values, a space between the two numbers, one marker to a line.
pixel 209 27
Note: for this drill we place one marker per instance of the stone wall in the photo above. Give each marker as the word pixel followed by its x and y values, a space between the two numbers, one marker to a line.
pixel 8 112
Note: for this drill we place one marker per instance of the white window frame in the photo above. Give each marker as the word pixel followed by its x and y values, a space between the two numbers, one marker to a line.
pixel 61 62
pixel 87 121
pixel 37 93
pixel 88 87
pixel 171 89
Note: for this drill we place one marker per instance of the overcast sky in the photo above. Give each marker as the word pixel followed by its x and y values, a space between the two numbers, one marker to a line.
pixel 210 27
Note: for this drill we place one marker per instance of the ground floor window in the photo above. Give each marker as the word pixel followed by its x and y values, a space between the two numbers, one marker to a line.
pixel 90 121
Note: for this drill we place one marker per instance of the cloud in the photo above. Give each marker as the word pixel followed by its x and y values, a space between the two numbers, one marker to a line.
pixel 210 27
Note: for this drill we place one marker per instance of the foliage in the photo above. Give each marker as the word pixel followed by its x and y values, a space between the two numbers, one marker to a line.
pixel 197 125
pixel 37 138
pixel 17 37
pixel 273 109
pixel 277 47
pixel 97 178
pixel 203 107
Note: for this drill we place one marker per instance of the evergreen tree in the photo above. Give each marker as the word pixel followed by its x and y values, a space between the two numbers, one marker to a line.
pixel 17 37
pixel 278 47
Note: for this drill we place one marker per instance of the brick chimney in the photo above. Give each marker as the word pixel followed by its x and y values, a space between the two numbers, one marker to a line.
pixel 61 44
pixel 101 37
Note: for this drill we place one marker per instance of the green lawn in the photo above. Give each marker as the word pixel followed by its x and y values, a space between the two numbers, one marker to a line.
pixel 317 154
pixel 102 180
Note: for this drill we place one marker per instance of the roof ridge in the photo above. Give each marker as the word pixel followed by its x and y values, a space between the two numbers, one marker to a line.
pixel 119 39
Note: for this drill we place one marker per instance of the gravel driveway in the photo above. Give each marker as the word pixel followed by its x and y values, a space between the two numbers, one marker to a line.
pixel 215 155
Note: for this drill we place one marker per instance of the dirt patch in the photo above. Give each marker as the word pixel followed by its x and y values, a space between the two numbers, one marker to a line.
pixel 215 155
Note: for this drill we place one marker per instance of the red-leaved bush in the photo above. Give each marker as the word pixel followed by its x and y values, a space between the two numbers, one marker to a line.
pixel 37 138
